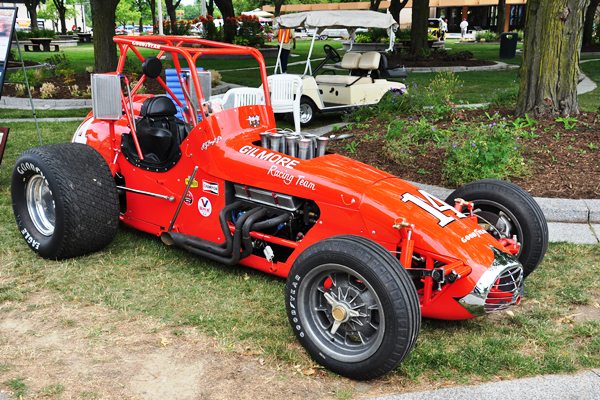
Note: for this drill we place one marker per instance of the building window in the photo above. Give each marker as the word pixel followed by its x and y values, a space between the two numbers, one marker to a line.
pixel 517 17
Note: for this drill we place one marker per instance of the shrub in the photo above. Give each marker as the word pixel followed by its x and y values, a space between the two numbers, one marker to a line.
pixel 45 33
pixel 215 77
pixel 249 31
pixel 35 77
pixel 59 61
pixel 48 90
pixel 209 29
pixel 487 36
pixel 20 90
pixel 407 138
pixel 488 150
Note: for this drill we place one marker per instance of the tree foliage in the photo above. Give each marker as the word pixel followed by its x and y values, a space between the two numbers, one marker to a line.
pixel 127 12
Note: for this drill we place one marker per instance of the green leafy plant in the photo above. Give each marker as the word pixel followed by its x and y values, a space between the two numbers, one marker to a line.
pixel 568 122
pixel 486 36
pixel 484 151
pixel 351 147
pixel 524 122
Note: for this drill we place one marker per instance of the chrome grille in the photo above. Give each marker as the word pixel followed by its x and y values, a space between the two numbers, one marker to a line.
pixel 506 290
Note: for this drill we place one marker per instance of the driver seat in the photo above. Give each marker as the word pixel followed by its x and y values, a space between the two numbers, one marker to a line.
pixel 159 134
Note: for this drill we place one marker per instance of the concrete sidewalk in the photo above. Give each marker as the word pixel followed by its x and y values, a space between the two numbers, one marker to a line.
pixel 582 386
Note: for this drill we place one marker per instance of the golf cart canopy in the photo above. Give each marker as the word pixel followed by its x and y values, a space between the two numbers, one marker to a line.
pixel 349 19
pixel 340 19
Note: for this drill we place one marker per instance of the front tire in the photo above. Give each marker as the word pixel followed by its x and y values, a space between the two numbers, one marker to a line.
pixel 505 209
pixel 353 307
pixel 64 200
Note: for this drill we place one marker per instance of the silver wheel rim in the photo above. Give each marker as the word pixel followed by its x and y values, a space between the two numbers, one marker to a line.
pixel 357 337
pixel 306 113
pixel 40 204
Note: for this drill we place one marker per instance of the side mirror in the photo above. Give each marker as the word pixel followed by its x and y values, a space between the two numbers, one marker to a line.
pixel 106 97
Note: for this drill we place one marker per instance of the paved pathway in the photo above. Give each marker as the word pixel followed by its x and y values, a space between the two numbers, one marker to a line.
pixel 582 386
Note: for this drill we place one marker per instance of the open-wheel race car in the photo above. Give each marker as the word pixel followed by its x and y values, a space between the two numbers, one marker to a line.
pixel 365 254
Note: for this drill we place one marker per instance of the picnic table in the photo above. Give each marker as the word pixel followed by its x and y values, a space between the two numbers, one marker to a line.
pixel 85 37
pixel 40 44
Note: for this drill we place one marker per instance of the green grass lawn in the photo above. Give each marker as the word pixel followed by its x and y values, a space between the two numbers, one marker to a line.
pixel 243 308
pixel 13 113
pixel 591 101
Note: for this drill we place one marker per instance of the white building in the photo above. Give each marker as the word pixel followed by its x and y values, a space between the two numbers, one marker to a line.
pixel 23 21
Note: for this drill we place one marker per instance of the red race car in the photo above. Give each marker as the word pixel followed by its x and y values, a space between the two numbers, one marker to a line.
pixel 365 253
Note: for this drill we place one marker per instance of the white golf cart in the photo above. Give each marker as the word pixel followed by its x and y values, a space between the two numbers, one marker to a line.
pixel 358 81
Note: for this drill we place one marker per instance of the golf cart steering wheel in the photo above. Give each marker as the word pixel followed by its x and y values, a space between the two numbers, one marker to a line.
pixel 331 53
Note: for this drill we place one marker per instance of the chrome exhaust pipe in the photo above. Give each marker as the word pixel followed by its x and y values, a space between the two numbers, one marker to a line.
pixel 322 145
pixel 290 145
pixel 276 139
pixel 304 147
pixel 264 139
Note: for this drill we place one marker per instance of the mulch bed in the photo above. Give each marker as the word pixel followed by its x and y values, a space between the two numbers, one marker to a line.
pixel 561 162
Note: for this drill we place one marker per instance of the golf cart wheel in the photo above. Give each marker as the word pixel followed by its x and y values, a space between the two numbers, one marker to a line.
pixel 308 109
pixel 353 307
pixel 505 210
pixel 64 200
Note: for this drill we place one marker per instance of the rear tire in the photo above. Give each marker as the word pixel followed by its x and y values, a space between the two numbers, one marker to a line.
pixel 512 211
pixel 64 200
pixel 358 285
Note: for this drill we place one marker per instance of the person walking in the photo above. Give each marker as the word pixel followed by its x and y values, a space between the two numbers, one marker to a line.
pixel 464 25
pixel 443 28
pixel 285 36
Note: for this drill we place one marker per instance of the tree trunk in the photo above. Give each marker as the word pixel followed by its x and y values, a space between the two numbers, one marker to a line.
pixel 172 15
pixel 141 25
pixel 418 30
pixel 210 8
pixel 396 6
pixel 501 16
pixel 103 20
pixel 61 8
pixel 226 8
pixel 374 6
pixel 588 26
pixel 31 6
pixel 550 70
pixel 278 4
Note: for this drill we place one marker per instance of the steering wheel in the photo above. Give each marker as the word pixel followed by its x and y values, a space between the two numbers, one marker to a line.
pixel 332 53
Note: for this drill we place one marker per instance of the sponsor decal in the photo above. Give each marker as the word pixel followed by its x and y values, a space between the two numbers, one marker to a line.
pixel 24 167
pixel 475 234
pixel 146 44
pixel 253 121
pixel 266 155
pixel 211 142
pixel 289 178
pixel 204 207
pixel 210 187
pixel 189 199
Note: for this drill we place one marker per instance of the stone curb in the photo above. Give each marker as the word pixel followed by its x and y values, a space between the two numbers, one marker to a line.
pixel 499 66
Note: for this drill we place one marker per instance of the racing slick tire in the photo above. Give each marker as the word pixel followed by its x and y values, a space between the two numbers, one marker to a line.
pixel 511 211
pixel 65 200
pixel 353 307
pixel 308 110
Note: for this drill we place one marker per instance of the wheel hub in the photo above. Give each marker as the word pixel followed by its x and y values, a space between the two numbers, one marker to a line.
pixel 340 313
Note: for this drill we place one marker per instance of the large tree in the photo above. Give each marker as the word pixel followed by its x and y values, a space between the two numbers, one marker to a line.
pixel 501 16
pixel 171 7
pixel 418 29
pixel 279 3
pixel 550 69
pixel 226 8
pixel 32 6
pixel 61 8
pixel 397 5
pixel 152 5
pixel 588 26
pixel 103 20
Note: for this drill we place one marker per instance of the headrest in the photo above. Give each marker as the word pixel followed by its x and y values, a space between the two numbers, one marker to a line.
pixel 158 106
pixel 350 61
pixel 369 60
pixel 152 67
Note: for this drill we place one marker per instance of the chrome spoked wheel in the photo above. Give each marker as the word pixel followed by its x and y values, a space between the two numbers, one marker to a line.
pixel 343 314
pixel 40 204
pixel 306 113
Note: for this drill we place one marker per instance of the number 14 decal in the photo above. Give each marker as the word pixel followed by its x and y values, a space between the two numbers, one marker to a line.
pixel 433 206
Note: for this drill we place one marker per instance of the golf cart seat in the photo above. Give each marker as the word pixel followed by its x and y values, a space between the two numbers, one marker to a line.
pixel 159 134
pixel 367 62
pixel 350 61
